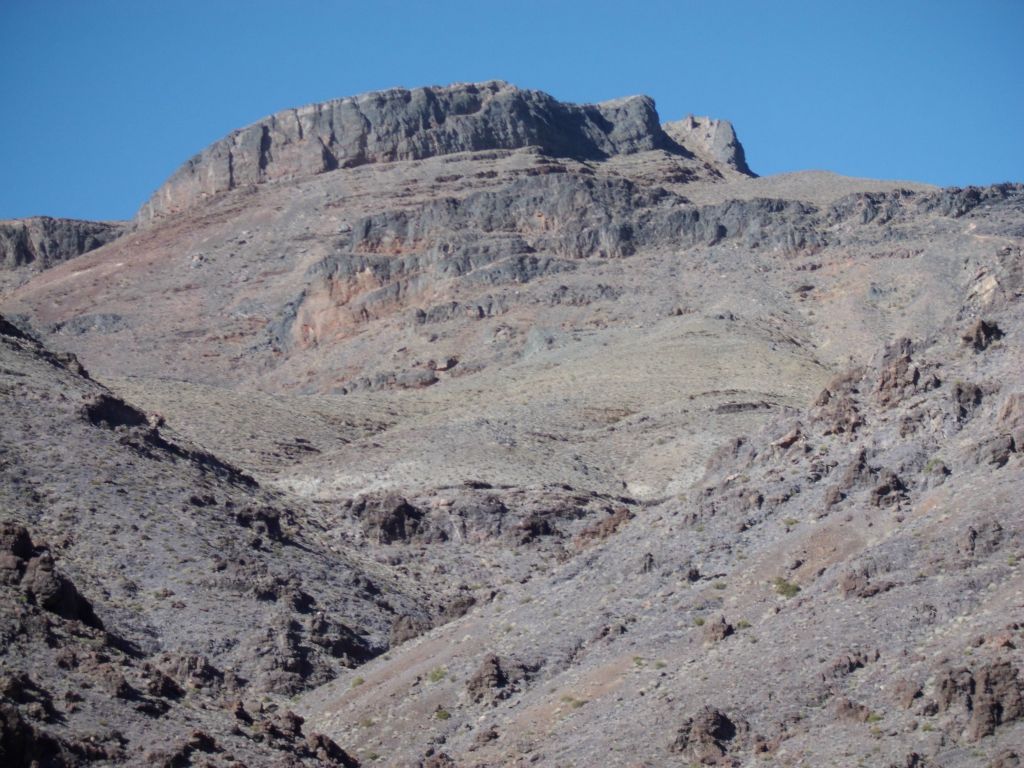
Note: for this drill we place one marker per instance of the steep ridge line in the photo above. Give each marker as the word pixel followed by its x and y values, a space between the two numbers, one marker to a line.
pixel 402 124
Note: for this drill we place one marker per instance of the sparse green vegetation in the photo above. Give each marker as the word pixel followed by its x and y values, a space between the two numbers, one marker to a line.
pixel 357 682
pixel 785 588
pixel 875 717
pixel 437 674
pixel 442 714
pixel 742 624
pixel 789 522
pixel 719 585
pixel 699 621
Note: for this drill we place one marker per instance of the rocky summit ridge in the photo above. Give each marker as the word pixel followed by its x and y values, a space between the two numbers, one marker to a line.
pixel 465 427
pixel 401 124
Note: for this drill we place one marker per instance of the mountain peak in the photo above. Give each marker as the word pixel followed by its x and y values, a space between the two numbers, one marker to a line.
pixel 412 124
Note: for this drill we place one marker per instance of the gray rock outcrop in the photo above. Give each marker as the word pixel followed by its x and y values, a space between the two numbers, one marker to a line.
pixel 402 124
pixel 713 139
pixel 41 241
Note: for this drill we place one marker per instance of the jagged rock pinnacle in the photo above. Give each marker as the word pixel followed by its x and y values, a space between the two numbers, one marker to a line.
pixel 714 139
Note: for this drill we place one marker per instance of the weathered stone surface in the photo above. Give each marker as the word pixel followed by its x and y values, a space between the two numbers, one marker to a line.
pixel 708 735
pixel 408 125
pixel 714 139
pixel 33 570
pixel 21 743
pixel 41 242
pixel 388 518
pixel 988 696
pixel 995 450
pixel 981 334
pixel 52 591
pixel 489 682
pixel 717 629
pixel 407 628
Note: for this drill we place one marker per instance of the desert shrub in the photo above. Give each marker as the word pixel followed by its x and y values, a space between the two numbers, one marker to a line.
pixel 785 588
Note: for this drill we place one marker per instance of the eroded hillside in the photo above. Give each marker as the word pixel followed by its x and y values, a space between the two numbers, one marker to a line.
pixel 480 429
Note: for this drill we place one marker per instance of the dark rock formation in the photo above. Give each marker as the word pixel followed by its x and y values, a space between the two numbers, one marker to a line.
pixel 32 568
pixel 981 334
pixel 388 519
pixel 489 682
pixel 406 628
pixel 717 629
pixel 41 241
pixel 22 745
pixel 990 695
pixel 708 735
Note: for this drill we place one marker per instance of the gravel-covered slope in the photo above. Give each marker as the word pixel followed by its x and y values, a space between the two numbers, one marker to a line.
pixel 481 429
pixel 843 588
pixel 148 587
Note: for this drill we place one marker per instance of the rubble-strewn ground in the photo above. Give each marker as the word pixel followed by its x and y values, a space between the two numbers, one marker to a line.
pixel 522 454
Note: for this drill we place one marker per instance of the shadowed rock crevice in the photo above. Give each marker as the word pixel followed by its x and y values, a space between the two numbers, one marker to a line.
pixel 31 568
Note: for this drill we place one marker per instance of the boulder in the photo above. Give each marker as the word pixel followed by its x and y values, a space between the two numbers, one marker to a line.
pixel 716 630
pixel 990 695
pixel 707 735
pixel 980 334
pixel 489 682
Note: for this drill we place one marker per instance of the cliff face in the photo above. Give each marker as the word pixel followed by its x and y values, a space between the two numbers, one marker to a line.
pixel 42 241
pixel 413 124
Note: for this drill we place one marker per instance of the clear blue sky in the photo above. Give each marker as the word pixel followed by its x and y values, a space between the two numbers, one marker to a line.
pixel 102 100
